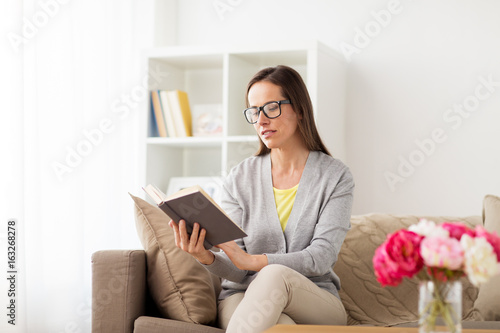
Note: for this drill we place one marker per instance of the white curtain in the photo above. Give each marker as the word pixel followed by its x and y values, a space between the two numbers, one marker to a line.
pixel 72 98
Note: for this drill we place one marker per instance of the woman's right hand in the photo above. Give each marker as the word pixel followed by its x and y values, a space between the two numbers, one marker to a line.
pixel 192 244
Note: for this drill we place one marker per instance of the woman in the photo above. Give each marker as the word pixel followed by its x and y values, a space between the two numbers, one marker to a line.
pixel 294 201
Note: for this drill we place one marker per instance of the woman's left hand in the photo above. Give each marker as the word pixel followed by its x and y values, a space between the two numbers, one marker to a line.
pixel 241 259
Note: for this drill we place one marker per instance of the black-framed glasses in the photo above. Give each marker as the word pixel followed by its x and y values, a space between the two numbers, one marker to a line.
pixel 271 110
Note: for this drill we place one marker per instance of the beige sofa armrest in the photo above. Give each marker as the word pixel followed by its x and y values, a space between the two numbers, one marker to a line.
pixel 119 290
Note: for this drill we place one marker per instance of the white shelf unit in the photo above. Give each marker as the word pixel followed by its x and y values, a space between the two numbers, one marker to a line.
pixel 220 75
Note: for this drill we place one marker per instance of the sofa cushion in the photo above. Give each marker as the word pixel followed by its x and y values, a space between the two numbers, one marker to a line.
pixel 158 325
pixel 181 288
pixel 488 300
pixel 365 300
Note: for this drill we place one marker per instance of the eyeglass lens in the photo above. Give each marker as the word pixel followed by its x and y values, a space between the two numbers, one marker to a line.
pixel 271 110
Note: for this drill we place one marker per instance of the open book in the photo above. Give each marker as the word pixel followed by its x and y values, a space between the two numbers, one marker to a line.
pixel 193 204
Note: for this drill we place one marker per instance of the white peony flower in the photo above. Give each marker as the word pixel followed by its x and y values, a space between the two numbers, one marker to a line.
pixel 480 259
pixel 428 228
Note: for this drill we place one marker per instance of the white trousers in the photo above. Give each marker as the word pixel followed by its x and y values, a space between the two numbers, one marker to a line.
pixel 279 295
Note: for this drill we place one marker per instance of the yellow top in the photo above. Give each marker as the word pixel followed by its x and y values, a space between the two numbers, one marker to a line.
pixel 284 202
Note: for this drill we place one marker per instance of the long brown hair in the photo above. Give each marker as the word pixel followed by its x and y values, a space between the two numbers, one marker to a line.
pixel 293 88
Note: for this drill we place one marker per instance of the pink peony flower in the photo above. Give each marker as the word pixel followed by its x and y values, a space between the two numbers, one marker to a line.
pixel 442 252
pixel 491 237
pixel 457 229
pixel 398 257
pixel 385 268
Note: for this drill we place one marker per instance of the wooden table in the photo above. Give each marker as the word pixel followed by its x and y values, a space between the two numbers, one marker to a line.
pixel 353 329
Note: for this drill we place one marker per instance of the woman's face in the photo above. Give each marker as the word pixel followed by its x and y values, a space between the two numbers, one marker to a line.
pixel 279 132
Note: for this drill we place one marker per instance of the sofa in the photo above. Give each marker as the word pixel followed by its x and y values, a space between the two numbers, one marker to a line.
pixel 161 289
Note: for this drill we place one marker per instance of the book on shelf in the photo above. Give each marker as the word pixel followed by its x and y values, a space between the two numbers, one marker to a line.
pixel 167 113
pixel 158 114
pixel 179 104
pixel 172 113
pixel 194 205
pixel 152 127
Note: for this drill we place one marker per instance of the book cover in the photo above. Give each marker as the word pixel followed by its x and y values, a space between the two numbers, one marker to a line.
pixel 193 204
pixel 186 111
pixel 158 112
pixel 179 103
pixel 168 113
pixel 152 126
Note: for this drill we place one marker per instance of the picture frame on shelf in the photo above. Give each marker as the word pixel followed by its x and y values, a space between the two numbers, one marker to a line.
pixel 211 185
pixel 207 120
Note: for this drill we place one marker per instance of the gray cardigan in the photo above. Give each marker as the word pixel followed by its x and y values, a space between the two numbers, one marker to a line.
pixel 315 231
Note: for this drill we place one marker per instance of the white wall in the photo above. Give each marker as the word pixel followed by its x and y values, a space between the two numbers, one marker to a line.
pixel 419 62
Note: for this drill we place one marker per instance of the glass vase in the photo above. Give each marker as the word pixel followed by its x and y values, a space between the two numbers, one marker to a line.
pixel 440 307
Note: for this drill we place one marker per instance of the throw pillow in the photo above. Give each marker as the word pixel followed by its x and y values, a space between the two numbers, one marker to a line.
pixel 366 301
pixel 488 300
pixel 181 288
